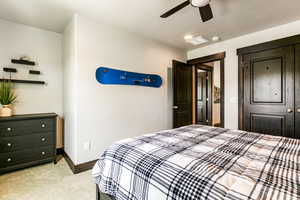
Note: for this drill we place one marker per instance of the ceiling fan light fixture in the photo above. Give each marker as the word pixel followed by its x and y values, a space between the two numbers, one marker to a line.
pixel 199 3
pixel 203 6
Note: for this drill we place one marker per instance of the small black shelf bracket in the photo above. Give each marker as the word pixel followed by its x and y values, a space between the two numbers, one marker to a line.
pixel 35 72
pixel 12 70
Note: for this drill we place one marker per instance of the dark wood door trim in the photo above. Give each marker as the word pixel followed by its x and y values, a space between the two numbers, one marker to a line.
pixel 293 40
pixel 206 59
pixel 297 92
pixel 241 71
pixel 211 58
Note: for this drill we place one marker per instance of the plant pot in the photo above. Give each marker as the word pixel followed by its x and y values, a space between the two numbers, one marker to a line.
pixel 6 111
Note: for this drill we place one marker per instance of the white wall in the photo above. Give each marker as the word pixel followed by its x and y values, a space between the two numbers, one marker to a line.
pixel 217 74
pixel 42 46
pixel 231 62
pixel 70 84
pixel 217 83
pixel 107 113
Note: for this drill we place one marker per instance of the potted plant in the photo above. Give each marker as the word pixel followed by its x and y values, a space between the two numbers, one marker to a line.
pixel 7 98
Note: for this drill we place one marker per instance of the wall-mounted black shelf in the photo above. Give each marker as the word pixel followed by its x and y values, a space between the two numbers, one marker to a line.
pixel 24 81
pixel 22 62
pixel 11 70
pixel 35 72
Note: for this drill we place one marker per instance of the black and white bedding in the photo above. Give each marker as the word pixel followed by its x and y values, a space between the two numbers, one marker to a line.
pixel 201 162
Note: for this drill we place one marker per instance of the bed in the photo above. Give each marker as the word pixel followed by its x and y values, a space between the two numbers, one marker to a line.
pixel 200 162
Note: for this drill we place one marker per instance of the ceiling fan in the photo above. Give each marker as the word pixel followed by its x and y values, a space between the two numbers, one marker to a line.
pixel 203 5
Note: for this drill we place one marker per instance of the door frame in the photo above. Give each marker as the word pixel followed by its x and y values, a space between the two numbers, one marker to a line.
pixel 241 52
pixel 212 58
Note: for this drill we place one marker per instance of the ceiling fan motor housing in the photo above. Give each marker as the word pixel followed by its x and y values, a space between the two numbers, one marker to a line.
pixel 199 3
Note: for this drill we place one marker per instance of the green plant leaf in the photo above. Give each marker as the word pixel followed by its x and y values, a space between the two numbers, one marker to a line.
pixel 7 95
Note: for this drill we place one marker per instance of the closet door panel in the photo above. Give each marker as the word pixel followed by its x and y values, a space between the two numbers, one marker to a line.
pixel 267 80
pixel 269 92
pixel 268 124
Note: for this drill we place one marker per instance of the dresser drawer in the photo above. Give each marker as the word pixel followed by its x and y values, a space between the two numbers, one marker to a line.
pixel 22 127
pixel 8 144
pixel 25 156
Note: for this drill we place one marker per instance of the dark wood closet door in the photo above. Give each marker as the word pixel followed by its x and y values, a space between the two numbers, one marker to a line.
pixel 269 92
pixel 209 90
pixel 204 97
pixel 297 91
pixel 201 98
pixel 182 79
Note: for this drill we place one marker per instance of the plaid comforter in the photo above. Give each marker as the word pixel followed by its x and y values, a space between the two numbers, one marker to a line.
pixel 201 162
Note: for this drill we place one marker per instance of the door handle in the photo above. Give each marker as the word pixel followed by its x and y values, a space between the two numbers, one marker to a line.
pixel 289 110
pixel 175 107
pixel 298 110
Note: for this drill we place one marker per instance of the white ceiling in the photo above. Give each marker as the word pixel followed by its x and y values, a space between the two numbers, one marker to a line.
pixel 232 17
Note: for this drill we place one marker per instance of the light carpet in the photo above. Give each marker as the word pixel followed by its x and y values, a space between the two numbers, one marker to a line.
pixel 47 182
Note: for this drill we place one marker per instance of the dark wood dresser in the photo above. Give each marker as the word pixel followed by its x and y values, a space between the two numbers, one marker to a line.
pixel 27 140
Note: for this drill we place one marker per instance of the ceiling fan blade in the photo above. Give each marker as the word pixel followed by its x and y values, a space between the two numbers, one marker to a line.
pixel 206 13
pixel 174 10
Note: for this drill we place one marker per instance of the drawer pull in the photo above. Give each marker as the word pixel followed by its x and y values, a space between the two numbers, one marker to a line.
pixel 9 160
pixel 9 129
pixel 43 153
pixel 43 139
pixel 9 144
pixel 43 125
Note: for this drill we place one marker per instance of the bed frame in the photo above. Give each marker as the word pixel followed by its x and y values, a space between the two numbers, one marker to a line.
pixel 102 196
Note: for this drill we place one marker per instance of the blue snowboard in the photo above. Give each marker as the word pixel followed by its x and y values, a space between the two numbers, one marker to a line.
pixel 106 75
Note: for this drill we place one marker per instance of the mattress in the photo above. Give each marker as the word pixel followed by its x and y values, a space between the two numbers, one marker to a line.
pixel 200 162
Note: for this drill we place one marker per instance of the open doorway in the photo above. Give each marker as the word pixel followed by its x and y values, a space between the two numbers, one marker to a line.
pixel 207 94
pixel 208 90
